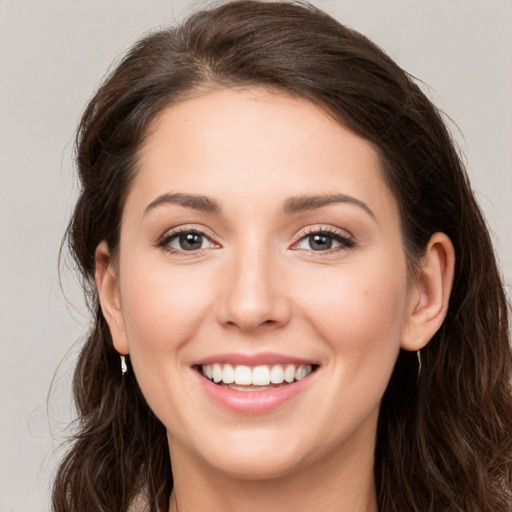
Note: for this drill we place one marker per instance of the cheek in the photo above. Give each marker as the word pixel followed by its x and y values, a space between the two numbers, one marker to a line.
pixel 162 307
pixel 163 310
pixel 360 313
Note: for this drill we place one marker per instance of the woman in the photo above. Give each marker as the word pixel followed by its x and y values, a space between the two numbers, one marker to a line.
pixel 297 305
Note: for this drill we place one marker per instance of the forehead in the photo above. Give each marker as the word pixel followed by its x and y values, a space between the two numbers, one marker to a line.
pixel 255 146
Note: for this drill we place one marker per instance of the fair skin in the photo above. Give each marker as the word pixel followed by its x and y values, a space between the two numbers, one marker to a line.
pixel 260 233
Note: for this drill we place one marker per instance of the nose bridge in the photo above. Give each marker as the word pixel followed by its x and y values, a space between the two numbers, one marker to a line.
pixel 252 293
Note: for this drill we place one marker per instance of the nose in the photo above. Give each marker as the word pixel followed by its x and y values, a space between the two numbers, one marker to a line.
pixel 253 293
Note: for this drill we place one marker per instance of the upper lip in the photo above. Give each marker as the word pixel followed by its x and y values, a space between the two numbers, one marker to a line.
pixel 255 359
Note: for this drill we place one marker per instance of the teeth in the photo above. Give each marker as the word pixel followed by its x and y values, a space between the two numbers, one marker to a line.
pixel 261 376
pixel 277 374
pixel 289 373
pixel 228 374
pixel 217 372
pixel 242 375
pixel 257 376
pixel 301 372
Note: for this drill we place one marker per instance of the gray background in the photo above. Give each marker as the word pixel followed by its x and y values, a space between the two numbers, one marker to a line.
pixel 52 56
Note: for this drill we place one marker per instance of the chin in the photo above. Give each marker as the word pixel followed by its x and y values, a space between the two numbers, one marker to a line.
pixel 252 455
pixel 259 466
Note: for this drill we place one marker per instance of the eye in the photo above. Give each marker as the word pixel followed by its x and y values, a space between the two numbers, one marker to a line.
pixel 323 240
pixel 186 241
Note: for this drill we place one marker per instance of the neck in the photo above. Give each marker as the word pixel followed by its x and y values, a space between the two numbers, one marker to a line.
pixel 323 485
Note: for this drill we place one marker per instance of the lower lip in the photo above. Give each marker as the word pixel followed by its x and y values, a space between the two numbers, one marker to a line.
pixel 254 402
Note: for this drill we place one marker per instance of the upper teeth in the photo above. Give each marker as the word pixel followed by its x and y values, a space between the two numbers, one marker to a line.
pixel 258 376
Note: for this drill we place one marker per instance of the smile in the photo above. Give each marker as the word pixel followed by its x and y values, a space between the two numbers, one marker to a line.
pixel 256 384
pixel 247 378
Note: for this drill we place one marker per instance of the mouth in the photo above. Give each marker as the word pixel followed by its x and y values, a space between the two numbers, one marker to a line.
pixel 255 378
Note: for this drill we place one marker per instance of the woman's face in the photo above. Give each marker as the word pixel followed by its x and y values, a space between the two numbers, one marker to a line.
pixel 260 243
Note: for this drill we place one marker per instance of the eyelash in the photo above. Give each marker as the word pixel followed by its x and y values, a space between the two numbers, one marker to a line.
pixel 345 242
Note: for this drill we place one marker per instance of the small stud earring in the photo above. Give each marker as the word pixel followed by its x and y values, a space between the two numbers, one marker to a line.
pixel 418 355
pixel 124 368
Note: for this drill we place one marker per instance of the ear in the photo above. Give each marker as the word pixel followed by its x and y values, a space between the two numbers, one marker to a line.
pixel 107 284
pixel 430 293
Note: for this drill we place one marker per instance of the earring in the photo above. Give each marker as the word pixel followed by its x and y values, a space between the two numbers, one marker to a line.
pixel 124 368
pixel 418 355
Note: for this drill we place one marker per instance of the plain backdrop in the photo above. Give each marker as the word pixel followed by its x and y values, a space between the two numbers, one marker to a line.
pixel 52 56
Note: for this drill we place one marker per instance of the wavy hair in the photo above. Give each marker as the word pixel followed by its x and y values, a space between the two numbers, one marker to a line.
pixel 444 439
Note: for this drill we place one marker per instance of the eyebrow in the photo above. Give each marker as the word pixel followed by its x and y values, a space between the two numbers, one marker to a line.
pixel 305 203
pixel 196 202
pixel 292 205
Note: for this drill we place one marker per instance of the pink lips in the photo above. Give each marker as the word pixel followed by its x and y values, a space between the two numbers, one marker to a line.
pixel 257 359
pixel 253 402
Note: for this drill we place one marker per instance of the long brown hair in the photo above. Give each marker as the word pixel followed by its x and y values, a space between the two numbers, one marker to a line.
pixel 444 438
